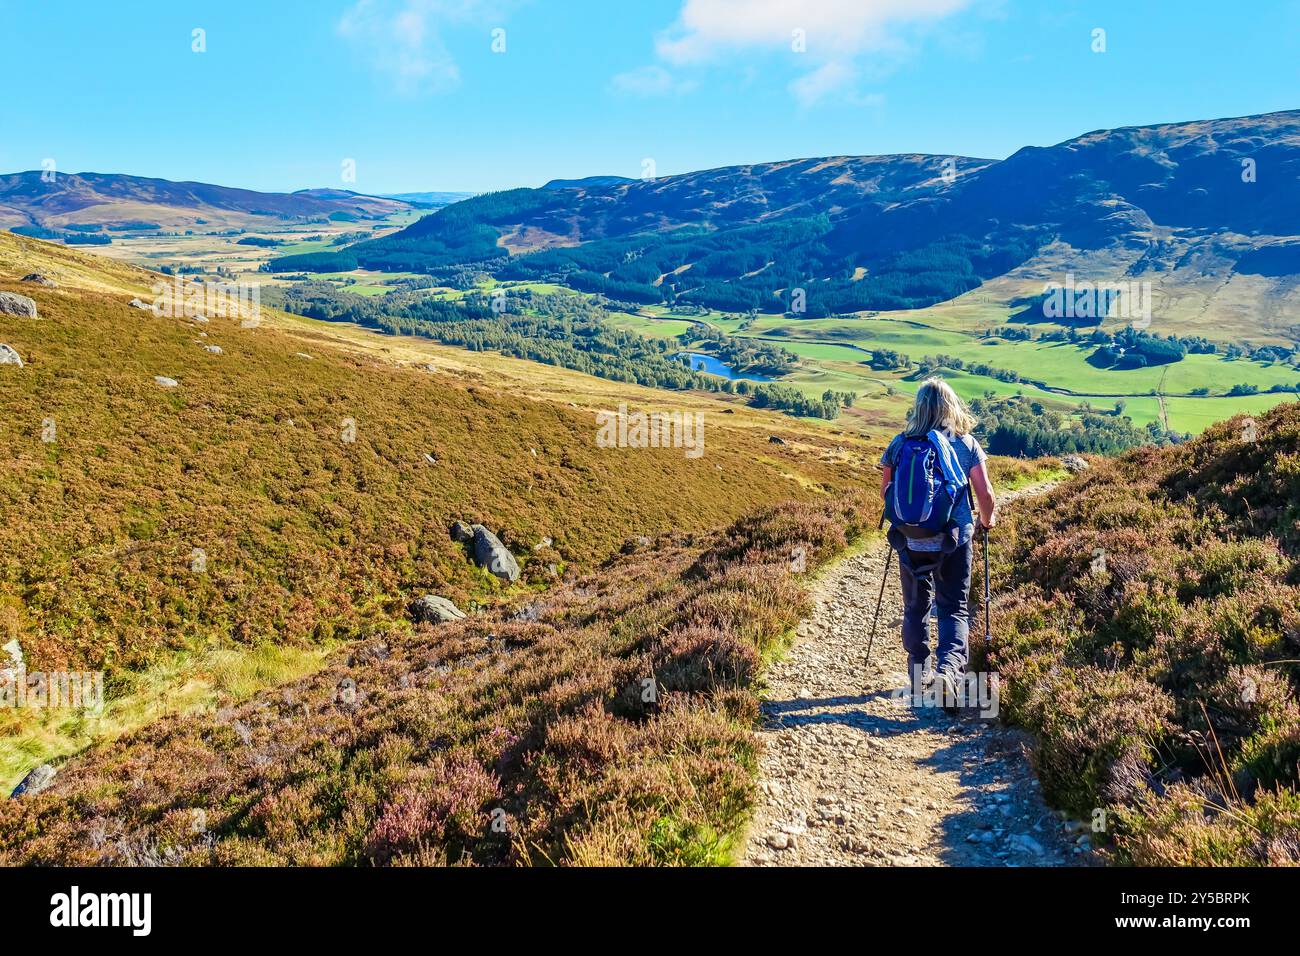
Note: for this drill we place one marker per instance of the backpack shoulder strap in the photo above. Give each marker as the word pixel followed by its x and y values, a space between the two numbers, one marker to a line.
pixel 948 461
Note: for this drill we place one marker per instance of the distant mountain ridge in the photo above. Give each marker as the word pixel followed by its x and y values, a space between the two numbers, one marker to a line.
pixel 1206 206
pixel 71 199
pixel 438 199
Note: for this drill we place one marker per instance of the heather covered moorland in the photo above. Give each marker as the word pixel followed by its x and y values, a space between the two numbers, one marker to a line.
pixel 291 490
pixel 1148 636
pixel 610 721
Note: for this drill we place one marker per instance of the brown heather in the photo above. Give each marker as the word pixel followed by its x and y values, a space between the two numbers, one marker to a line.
pixel 1162 683
pixel 308 539
pixel 409 745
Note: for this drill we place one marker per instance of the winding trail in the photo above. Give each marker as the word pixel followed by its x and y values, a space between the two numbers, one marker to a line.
pixel 852 776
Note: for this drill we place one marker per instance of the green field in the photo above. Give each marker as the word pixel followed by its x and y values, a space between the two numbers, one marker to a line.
pixel 834 353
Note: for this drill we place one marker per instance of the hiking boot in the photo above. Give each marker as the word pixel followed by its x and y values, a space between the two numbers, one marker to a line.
pixel 947 692
pixel 915 684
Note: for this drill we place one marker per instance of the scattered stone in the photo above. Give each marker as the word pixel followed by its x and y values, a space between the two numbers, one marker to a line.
pixel 137 304
pixel 1074 463
pixel 1024 843
pixel 490 553
pixel 302 355
pixel 11 303
pixel 214 349
pixel 433 609
pixel 39 279
pixel 633 545
pixel 776 440
pixel 9 357
pixel 430 459
pixel 36 781
pixel 165 382
pixel 544 543
pixel 778 841
pixel 529 613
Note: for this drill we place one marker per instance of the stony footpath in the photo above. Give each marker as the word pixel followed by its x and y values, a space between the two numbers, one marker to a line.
pixel 853 774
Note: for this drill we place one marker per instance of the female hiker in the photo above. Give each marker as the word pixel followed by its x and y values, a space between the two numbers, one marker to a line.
pixel 931 471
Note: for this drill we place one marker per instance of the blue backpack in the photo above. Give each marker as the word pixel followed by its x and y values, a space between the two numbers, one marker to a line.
pixel 928 481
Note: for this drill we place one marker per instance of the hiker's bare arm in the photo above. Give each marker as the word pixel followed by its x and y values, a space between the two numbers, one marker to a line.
pixel 983 487
pixel 886 476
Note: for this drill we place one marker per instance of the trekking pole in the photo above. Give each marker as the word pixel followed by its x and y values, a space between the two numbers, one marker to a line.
pixel 889 556
pixel 988 630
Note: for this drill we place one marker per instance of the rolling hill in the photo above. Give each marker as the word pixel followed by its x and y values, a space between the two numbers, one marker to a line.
pixel 313 533
pixel 113 200
pixel 1202 210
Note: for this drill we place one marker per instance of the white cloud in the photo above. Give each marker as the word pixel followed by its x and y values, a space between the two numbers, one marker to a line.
pixel 833 27
pixel 830 76
pixel 402 39
pixel 834 35
pixel 651 80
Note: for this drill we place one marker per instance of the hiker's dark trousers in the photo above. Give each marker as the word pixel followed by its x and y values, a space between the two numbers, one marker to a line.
pixel 934 579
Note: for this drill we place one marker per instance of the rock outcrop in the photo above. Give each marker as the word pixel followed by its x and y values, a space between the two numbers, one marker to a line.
pixel 433 609
pixel 11 303
pixel 36 781
pixel 490 553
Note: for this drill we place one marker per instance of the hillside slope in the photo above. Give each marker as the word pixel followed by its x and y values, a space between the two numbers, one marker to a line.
pixel 1200 209
pixel 111 199
pixel 610 722
pixel 315 474
pixel 1148 635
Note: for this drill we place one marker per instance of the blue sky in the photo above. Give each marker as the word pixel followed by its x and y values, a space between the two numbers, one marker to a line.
pixel 414 93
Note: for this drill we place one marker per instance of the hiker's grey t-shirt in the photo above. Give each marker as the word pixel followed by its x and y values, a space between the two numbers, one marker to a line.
pixel 969 454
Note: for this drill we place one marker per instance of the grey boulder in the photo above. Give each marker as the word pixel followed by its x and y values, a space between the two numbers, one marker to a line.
pixel 9 357
pixel 1074 463
pixel 36 781
pixel 11 303
pixel 435 610
pixel 490 553
pixel 461 532
pixel 39 279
